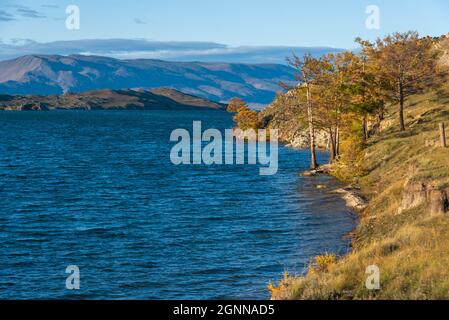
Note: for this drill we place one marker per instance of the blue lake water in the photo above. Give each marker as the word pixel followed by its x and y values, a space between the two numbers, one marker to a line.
pixel 98 190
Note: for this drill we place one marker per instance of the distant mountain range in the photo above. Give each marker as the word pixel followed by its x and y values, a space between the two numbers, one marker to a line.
pixel 157 99
pixel 55 74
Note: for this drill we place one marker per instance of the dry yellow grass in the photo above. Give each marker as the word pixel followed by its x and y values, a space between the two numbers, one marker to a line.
pixel 405 237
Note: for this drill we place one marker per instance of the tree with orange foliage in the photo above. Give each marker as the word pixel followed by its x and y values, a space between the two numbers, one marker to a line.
pixel 244 117
pixel 407 65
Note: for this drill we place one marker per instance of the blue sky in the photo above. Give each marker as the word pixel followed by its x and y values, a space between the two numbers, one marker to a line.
pixel 233 22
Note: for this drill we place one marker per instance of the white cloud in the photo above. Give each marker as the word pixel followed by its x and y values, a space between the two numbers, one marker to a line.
pixel 139 48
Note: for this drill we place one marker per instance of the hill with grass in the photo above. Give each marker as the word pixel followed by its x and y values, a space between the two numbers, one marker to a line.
pixel 156 99
pixel 404 230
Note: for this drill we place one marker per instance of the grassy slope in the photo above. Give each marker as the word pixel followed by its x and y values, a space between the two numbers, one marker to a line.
pixel 164 98
pixel 411 247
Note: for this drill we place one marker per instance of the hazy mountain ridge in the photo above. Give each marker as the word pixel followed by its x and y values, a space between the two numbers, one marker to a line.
pixel 54 74
pixel 157 99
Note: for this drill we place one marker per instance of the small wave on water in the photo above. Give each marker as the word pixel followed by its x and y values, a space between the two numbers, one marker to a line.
pixel 97 190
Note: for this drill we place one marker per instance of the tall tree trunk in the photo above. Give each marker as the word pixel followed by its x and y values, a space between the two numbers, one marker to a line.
pixel 313 164
pixel 332 146
pixel 337 141
pixel 401 106
pixel 364 130
pixel 379 119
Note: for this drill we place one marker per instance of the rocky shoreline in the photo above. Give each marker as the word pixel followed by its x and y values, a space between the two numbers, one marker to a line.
pixel 352 194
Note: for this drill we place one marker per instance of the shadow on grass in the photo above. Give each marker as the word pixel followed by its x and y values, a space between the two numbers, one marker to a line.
pixel 442 96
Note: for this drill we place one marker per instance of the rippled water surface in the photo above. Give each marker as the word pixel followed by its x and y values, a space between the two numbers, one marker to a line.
pixel 97 190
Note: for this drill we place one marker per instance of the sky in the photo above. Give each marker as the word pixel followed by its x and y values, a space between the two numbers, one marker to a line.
pixel 231 22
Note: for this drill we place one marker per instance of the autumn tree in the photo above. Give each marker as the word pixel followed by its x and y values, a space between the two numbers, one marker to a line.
pixel 244 117
pixel 235 104
pixel 309 70
pixel 407 65
pixel 332 75
pixel 365 87
pixel 333 98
